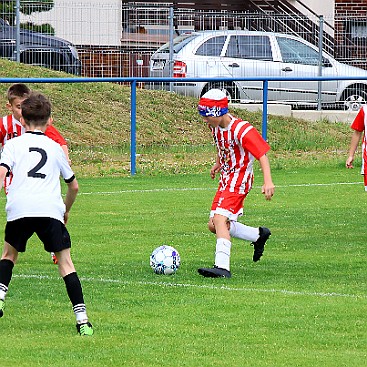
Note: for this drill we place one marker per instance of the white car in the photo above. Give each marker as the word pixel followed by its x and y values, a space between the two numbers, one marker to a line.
pixel 230 54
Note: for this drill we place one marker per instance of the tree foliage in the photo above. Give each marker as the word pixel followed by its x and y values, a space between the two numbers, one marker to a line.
pixel 31 6
pixel 27 7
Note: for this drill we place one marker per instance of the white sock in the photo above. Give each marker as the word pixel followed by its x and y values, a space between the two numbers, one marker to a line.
pixel 222 253
pixel 80 313
pixel 3 291
pixel 243 232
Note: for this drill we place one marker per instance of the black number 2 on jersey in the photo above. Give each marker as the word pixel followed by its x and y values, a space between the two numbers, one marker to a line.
pixel 34 172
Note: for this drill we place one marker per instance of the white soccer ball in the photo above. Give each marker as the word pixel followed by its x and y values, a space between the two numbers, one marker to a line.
pixel 165 260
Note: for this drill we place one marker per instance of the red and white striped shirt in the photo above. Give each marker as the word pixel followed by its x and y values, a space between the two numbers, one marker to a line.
pixel 360 124
pixel 238 145
pixel 11 128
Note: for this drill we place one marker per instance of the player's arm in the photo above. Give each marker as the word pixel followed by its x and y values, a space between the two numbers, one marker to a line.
pixel 216 168
pixel 66 152
pixel 70 197
pixel 268 187
pixel 356 137
pixel 3 172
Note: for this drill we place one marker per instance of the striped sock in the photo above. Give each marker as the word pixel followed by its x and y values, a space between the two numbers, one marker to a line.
pixel 80 313
pixel 3 291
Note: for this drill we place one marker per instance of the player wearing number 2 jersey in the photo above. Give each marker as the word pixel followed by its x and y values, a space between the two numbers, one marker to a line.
pixel 35 204
pixel 238 144
pixel 10 127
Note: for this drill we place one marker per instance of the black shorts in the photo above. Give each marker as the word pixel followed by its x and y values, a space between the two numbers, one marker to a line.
pixel 53 233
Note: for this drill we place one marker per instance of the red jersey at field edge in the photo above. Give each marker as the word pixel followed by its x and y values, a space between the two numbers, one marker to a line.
pixel 359 123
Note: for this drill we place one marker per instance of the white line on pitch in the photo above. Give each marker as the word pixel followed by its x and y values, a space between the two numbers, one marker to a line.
pixel 202 286
pixel 210 188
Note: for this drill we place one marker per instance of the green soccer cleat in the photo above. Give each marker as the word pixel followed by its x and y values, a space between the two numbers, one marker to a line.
pixel 2 306
pixel 85 329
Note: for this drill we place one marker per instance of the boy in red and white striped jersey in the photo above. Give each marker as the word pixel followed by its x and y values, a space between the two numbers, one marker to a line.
pixel 238 144
pixel 10 127
pixel 359 126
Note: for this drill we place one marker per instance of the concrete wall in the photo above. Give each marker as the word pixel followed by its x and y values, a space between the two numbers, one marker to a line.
pixel 309 115
pixel 323 7
pixel 326 8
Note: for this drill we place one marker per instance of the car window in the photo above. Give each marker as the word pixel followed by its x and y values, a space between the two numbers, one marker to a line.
pixel 296 52
pixel 212 47
pixel 178 43
pixel 250 47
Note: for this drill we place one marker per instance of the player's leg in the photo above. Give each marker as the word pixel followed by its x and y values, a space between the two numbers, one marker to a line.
pixel 226 206
pixel 257 235
pixel 222 249
pixel 74 290
pixel 17 233
pixel 8 259
pixel 56 238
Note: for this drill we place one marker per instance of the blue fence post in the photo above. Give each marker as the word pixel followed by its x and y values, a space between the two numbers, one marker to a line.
pixel 133 128
pixel 264 128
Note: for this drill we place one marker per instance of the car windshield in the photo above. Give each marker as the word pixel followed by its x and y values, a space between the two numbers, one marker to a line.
pixel 178 43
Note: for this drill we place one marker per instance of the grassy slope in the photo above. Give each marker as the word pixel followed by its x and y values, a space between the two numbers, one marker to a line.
pixel 95 119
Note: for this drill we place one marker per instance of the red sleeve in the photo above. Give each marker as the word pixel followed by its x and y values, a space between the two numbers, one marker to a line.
pixel 358 122
pixel 53 134
pixel 255 144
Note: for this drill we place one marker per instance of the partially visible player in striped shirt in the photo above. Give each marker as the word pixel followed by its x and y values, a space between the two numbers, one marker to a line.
pixel 359 126
pixel 238 144
pixel 10 127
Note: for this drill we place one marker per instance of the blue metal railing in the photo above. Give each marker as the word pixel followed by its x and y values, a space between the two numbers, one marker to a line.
pixel 135 80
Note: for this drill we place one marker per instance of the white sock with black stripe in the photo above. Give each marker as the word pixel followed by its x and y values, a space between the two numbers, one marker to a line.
pixel 80 313
pixel 3 291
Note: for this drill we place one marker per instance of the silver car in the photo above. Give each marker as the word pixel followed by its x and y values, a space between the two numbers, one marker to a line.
pixel 230 54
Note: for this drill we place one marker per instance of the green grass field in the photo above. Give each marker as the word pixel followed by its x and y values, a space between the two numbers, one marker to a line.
pixel 303 304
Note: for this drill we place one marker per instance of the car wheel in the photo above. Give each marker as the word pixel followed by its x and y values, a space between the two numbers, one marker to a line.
pixel 353 99
pixel 230 90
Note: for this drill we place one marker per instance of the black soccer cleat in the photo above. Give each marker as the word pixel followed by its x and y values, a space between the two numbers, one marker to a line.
pixel 214 272
pixel 260 243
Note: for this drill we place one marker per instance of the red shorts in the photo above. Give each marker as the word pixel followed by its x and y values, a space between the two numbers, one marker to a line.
pixel 228 204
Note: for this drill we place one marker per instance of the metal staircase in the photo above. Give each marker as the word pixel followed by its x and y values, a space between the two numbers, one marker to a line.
pixel 259 15
pixel 281 16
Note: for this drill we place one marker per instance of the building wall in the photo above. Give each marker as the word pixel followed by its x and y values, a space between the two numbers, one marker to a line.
pixel 326 8
pixel 351 7
pixel 84 22
pixel 323 7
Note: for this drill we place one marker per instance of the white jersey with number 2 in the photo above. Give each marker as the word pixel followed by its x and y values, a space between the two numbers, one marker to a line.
pixel 36 162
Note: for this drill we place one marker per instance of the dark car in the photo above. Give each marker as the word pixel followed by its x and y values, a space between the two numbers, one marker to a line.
pixel 39 49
